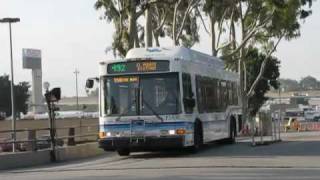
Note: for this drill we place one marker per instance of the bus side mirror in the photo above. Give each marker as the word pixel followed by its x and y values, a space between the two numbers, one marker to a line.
pixel 89 83
pixel 190 102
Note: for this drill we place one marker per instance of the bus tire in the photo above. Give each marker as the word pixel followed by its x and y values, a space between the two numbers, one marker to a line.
pixel 198 136
pixel 233 131
pixel 123 152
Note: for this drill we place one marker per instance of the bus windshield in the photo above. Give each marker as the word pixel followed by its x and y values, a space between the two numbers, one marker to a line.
pixel 147 94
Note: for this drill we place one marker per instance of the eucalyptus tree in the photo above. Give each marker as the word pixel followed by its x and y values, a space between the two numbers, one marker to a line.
pixel 252 23
pixel 254 59
pixel 160 14
pixel 177 19
pixel 221 14
pixel 124 15
pixel 184 27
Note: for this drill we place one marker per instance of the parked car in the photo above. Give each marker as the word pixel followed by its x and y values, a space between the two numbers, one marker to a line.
pixel 316 118
pixel 44 142
pixel 6 145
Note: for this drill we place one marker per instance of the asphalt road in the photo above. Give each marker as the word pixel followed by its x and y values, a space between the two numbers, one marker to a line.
pixel 297 157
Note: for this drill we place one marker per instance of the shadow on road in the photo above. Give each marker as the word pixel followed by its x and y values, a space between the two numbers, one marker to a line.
pixel 242 149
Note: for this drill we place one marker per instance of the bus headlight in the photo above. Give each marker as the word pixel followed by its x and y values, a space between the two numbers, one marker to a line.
pixel 172 132
pixel 108 134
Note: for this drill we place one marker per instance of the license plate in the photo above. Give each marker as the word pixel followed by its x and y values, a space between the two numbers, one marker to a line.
pixel 137 129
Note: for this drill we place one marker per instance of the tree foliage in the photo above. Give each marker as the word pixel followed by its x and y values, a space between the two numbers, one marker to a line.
pixel 124 15
pixel 176 19
pixel 309 83
pixel 238 30
pixel 254 59
pixel 289 84
pixel 21 96
pixel 248 24
pixel 305 84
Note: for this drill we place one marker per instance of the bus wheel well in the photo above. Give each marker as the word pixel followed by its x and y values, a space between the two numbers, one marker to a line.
pixel 199 128
pixel 232 119
pixel 233 129
pixel 233 123
pixel 198 123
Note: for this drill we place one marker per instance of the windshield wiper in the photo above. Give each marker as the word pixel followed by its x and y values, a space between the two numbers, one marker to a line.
pixel 138 107
pixel 152 110
pixel 126 111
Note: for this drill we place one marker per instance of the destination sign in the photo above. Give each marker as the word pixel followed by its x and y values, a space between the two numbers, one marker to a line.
pixel 125 79
pixel 138 66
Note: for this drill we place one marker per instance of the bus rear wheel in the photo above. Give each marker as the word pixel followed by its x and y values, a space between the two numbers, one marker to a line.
pixel 123 152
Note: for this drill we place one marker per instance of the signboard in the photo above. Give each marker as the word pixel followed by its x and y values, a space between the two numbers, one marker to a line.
pixel 125 79
pixel 138 67
pixel 31 58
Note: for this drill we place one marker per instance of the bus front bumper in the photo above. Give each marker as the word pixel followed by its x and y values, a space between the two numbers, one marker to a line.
pixel 142 144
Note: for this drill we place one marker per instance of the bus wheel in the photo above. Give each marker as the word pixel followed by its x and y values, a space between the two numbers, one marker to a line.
pixel 198 136
pixel 123 152
pixel 232 132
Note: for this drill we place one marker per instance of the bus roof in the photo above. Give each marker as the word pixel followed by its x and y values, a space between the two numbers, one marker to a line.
pixel 197 62
pixel 171 53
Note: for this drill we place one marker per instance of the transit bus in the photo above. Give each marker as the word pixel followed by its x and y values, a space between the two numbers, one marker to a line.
pixel 163 98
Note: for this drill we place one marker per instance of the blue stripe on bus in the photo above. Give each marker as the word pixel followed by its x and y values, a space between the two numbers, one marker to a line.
pixel 149 126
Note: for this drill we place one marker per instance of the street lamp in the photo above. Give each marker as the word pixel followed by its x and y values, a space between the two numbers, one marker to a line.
pixel 76 72
pixel 10 21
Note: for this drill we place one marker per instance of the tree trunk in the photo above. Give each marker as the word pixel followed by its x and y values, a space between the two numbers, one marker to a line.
pixel 156 39
pixel 174 25
pixel 233 36
pixel 136 39
pixel 148 29
pixel 213 35
pixel 132 25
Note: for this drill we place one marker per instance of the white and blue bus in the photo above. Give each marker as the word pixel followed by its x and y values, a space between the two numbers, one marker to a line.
pixel 162 98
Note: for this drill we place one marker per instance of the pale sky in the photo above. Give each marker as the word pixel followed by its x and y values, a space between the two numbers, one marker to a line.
pixel 71 35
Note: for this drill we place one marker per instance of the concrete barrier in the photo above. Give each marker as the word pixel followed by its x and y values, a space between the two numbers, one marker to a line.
pixel 24 159
pixel 28 159
pixel 79 151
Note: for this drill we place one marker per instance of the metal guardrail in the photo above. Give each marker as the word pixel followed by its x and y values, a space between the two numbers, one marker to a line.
pixel 24 130
pixel 32 141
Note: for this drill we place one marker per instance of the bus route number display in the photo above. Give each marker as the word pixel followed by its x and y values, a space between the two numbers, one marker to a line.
pixel 138 66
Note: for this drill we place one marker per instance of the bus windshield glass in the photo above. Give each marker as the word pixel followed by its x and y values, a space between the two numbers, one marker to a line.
pixel 148 94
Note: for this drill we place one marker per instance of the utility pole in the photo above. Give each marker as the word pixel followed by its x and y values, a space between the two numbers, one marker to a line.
pixel 14 138
pixel 76 72
pixel 280 113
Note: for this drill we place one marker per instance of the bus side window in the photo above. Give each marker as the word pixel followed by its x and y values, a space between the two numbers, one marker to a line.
pixel 188 96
